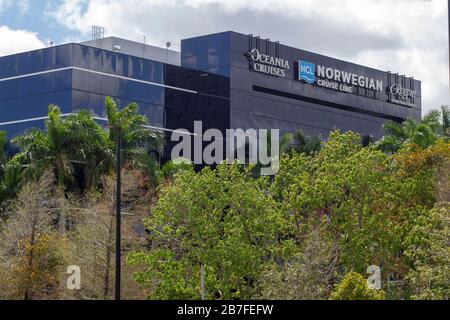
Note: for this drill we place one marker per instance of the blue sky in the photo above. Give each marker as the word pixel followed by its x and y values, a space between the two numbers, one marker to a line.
pixel 404 36
pixel 34 16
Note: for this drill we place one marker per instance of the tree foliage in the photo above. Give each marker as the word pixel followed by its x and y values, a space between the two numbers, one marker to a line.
pixel 434 125
pixel 221 219
pixel 430 251
pixel 334 208
pixel 366 202
pixel 354 287
pixel 31 251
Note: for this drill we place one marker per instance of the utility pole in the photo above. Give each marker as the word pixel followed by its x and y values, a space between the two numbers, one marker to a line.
pixel 118 214
pixel 448 24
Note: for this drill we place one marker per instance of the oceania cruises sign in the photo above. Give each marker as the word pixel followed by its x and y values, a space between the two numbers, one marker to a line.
pixel 267 64
pixel 336 79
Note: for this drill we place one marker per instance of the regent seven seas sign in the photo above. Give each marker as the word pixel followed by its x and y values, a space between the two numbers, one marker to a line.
pixel 400 95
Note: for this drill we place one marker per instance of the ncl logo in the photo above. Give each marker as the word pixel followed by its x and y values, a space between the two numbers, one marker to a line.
pixel 306 71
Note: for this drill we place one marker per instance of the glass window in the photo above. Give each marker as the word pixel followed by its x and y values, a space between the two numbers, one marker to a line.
pixel 134 67
pixel 49 58
pixel 63 80
pixel 203 45
pixel 108 86
pixel 109 62
pixel 121 65
pixel 30 62
pixel 151 94
pixel 9 66
pixel 95 59
pixel 63 99
pixel 80 80
pixel 80 100
pixel 95 82
pixel 127 89
pixel 63 56
pixel 96 104
pixel 154 113
pixel 80 56
pixel 152 71
pixel 9 89
pixel 31 85
pixel 48 82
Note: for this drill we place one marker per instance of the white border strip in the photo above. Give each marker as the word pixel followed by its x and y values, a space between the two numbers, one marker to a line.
pixel 31 119
pixel 152 127
pixel 99 73
pixel 96 118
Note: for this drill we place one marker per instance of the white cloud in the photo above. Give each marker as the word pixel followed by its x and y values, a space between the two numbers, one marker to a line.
pixel 14 41
pixel 405 36
pixel 22 5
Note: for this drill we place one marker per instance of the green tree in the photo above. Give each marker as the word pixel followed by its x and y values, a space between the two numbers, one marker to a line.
pixel 371 201
pixel 342 184
pixel 306 276
pixel 220 219
pixel 430 250
pixel 354 287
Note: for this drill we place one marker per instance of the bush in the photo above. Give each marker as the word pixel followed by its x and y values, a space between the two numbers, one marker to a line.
pixel 354 287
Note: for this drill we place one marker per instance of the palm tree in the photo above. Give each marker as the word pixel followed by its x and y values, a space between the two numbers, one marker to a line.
pixel 409 132
pixel 80 140
pixel 57 148
pixel 52 149
pixel 440 120
pixel 95 150
pixel 137 142
pixel 434 125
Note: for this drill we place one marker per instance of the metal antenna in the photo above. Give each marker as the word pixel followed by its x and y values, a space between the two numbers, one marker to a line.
pixel 143 46
pixel 97 33
pixel 168 44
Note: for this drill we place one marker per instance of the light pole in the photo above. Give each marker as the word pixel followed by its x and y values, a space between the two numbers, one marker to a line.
pixel 118 212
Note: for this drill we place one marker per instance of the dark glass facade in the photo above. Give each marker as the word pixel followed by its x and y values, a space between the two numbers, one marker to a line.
pixel 216 83
pixel 259 100
pixel 75 77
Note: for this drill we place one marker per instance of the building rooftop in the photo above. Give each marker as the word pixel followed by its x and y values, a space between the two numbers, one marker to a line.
pixel 137 49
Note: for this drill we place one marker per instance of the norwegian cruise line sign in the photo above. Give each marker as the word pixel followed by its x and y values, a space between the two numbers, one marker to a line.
pixel 336 79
